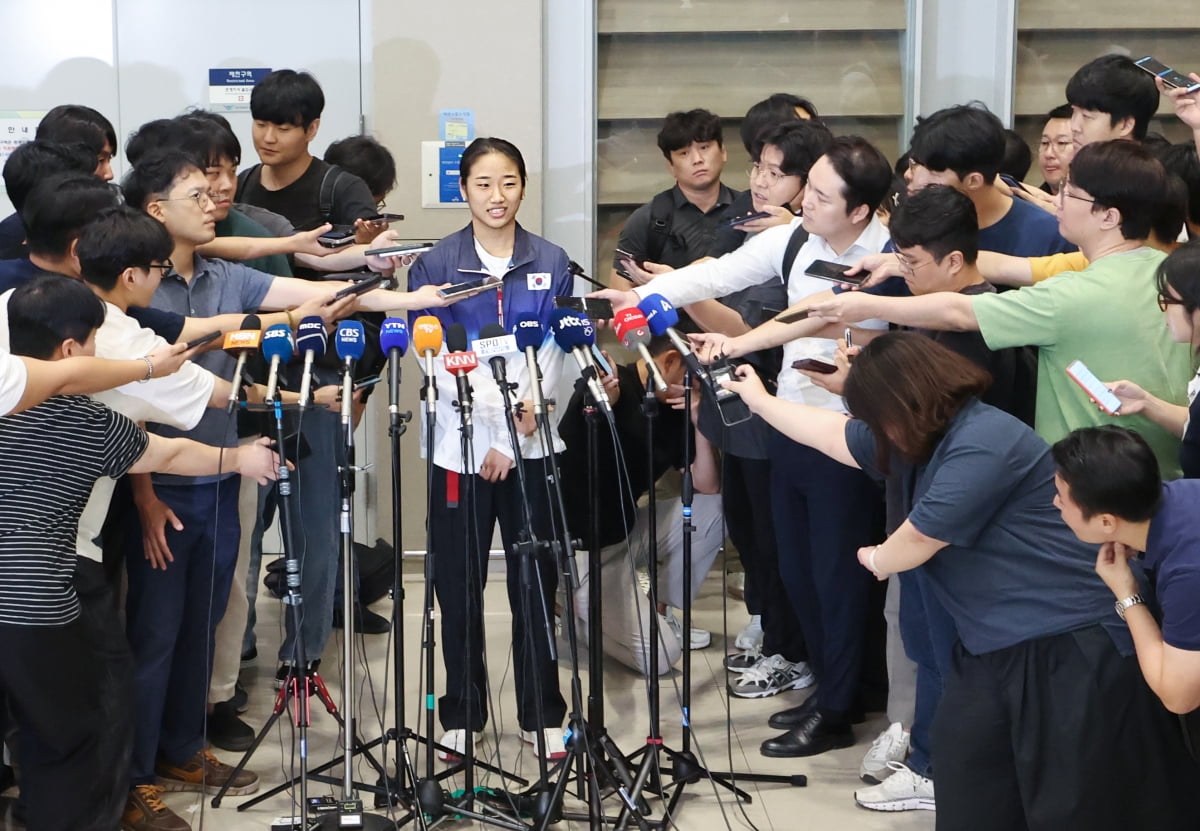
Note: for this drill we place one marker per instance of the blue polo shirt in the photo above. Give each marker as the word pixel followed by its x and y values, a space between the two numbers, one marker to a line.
pixel 1173 554
pixel 217 287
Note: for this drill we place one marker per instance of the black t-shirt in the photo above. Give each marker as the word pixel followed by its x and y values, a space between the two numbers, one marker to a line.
pixel 1189 449
pixel 300 202
pixel 630 421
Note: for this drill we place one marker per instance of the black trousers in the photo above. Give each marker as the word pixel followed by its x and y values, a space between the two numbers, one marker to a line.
pixel 824 512
pixel 460 573
pixel 52 675
pixel 746 496
pixel 1058 734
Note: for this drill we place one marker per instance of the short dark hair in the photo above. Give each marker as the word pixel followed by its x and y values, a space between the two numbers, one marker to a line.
pixel 1110 470
pixel 75 123
pixel 117 239
pixel 966 138
pixel 1113 84
pixel 907 388
pixel 153 137
pixel 367 159
pixel 660 344
pixel 33 161
pixel 865 171
pixel 48 310
pixel 775 109
pixel 1061 111
pixel 938 218
pixel 287 97
pixel 800 142
pixel 1181 271
pixel 1018 157
pixel 58 207
pixel 155 174
pixel 219 138
pixel 490 144
pixel 1181 159
pixel 679 129
pixel 1122 175
pixel 1168 220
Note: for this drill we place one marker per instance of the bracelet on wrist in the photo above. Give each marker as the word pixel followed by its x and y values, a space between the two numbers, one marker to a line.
pixel 291 320
pixel 149 369
pixel 871 560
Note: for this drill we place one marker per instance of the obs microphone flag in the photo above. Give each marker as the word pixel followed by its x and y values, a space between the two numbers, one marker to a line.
pixel 530 335
pixel 350 342
pixel 242 343
pixel 310 342
pixel 633 330
pixel 459 361
pixel 277 348
pixel 574 334
pixel 393 340
pixel 427 340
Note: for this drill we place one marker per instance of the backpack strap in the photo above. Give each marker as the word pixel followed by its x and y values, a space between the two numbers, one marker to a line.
pixel 328 184
pixel 795 243
pixel 662 207
pixel 248 178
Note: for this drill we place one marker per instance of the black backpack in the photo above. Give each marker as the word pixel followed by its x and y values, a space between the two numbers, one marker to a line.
pixel 252 176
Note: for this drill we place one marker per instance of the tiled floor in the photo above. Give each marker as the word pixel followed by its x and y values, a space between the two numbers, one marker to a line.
pixel 826 803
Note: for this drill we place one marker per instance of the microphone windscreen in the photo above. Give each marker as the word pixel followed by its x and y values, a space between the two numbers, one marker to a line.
pixel 310 336
pixel 660 314
pixel 529 331
pixel 631 327
pixel 492 330
pixel 456 337
pixel 242 339
pixel 251 322
pixel 351 340
pixel 571 330
pixel 393 335
pixel 277 341
pixel 427 334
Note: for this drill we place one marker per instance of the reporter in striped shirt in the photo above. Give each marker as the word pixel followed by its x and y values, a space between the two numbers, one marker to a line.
pixel 51 455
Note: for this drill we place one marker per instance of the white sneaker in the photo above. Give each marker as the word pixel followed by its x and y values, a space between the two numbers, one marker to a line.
pixel 751 635
pixel 555 738
pixel 742 660
pixel 889 746
pixel 697 638
pixel 456 741
pixel 903 790
pixel 770 676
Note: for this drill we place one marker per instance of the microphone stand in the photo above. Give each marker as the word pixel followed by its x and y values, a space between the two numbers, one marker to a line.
pixel 608 767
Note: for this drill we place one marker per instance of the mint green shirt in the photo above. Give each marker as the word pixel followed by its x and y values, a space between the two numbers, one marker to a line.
pixel 1108 317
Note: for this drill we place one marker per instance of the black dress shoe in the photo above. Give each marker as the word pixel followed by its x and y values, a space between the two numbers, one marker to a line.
pixel 225 730
pixel 793 716
pixel 815 735
pixel 365 622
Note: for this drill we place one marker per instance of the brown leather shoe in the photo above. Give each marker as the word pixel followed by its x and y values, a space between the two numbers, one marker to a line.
pixel 145 811
pixel 205 773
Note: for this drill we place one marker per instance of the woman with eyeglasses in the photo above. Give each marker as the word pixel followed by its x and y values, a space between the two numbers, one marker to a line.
pixel 1044 718
pixel 1179 298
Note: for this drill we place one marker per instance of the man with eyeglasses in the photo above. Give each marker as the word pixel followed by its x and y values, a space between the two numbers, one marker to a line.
pixel 1106 315
pixel 1056 148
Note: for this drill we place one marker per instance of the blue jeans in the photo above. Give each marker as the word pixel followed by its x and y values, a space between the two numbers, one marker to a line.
pixel 929 636
pixel 170 622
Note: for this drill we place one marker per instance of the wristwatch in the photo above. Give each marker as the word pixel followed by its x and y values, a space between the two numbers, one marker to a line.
pixel 1128 603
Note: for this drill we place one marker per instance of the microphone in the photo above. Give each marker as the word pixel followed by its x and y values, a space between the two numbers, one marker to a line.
pixel 574 334
pixel 350 342
pixel 459 361
pixel 278 348
pixel 241 343
pixel 427 340
pixel 633 330
pixel 662 317
pixel 494 345
pixel 393 340
pixel 310 341
pixel 530 334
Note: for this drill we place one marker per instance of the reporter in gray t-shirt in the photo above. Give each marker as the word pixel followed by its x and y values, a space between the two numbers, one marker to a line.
pixel 1044 716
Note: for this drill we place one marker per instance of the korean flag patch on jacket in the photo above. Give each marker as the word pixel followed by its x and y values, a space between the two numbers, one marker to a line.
pixel 537 281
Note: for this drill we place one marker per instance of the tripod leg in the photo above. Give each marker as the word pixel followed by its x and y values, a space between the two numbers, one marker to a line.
pixel 285 695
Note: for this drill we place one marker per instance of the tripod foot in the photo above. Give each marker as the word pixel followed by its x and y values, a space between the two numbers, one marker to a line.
pixel 430 797
pixel 546 809
pixel 685 767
